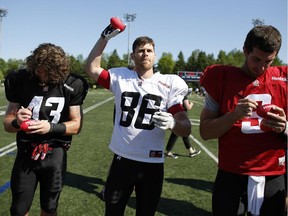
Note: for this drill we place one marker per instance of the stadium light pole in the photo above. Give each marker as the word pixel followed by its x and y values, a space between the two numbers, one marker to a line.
pixel 129 18
pixel 3 13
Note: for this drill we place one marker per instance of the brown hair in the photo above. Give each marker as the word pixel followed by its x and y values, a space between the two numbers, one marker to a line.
pixel 263 37
pixel 53 59
pixel 142 41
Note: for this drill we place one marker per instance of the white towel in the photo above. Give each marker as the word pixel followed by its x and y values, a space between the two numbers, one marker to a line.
pixel 255 191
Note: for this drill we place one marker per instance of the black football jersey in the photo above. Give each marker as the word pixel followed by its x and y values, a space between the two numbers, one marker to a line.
pixel 49 103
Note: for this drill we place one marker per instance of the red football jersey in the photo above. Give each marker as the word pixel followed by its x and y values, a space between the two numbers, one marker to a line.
pixel 245 148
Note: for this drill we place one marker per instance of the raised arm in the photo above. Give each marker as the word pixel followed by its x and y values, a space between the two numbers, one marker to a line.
pixel 93 64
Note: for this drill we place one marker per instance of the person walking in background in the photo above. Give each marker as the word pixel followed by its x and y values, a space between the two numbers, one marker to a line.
pixel 146 104
pixel 44 109
pixel 173 137
pixel 251 149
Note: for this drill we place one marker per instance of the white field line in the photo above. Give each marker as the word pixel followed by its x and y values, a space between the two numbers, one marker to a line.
pixel 210 154
pixel 10 147
pixel 204 148
pixel 96 105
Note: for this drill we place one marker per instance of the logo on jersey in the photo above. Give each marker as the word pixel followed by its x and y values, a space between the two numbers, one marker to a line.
pixel 256 83
pixel 164 84
pixel 156 154
pixel 284 79
pixel 68 87
pixel 281 161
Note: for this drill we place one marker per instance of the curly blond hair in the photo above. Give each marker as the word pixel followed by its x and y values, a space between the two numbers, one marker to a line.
pixel 52 59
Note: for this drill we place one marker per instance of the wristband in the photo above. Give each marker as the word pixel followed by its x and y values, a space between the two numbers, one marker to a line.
pixel 14 124
pixel 57 128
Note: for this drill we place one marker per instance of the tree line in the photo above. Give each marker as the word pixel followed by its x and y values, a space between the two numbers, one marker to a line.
pixel 197 61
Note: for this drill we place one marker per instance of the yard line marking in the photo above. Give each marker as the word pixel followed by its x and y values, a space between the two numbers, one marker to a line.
pixel 7 151
pixel 8 146
pixel 196 122
pixel 2 112
pixel 11 147
pixel 96 105
pixel 205 149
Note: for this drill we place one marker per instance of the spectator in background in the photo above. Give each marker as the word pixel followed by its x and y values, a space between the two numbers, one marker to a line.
pixel 187 105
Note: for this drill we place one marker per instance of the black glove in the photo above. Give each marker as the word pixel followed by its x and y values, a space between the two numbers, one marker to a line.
pixel 114 28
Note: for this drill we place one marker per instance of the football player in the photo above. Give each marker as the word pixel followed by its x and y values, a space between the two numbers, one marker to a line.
pixel 251 154
pixel 44 108
pixel 146 104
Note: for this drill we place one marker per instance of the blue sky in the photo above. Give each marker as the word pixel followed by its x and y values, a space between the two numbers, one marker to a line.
pixel 182 25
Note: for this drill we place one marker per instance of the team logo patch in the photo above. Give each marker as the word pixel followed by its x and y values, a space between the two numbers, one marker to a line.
pixel 256 83
pixel 156 154
pixel 281 161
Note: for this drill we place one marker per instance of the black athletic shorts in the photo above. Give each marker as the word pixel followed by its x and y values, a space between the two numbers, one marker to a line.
pixel 26 174
pixel 126 175
pixel 230 195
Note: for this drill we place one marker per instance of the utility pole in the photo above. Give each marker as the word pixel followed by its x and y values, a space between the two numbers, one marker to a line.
pixel 3 13
pixel 129 18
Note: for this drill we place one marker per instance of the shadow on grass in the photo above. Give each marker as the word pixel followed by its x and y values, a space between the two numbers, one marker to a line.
pixel 169 207
pixel 83 183
pixel 172 207
pixel 193 183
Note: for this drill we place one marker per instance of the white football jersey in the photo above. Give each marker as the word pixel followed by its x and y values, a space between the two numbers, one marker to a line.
pixel 134 136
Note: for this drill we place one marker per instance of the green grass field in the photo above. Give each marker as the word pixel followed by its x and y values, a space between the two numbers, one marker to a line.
pixel 188 182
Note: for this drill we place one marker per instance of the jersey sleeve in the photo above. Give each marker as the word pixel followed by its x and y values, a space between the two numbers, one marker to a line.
pixel 13 84
pixel 178 91
pixel 78 88
pixel 211 80
pixel 104 79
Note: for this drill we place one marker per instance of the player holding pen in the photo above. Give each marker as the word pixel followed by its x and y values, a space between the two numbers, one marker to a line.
pixel 44 109
pixel 139 129
pixel 251 174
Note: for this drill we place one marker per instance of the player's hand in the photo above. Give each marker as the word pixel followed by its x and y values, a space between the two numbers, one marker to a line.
pixel 39 127
pixel 114 28
pixel 276 119
pixel 245 108
pixel 163 120
pixel 23 115
pixel 40 150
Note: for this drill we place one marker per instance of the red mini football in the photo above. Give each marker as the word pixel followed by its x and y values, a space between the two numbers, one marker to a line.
pixel 24 125
pixel 262 110
pixel 117 23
